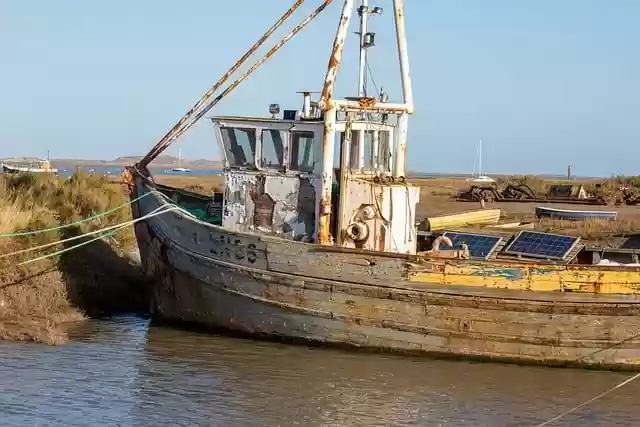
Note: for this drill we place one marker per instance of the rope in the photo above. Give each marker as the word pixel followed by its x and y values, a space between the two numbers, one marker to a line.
pixel 155 150
pixel 593 399
pixel 168 140
pixel 60 227
pixel 109 231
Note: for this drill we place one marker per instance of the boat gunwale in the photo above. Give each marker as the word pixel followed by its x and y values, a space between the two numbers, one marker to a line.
pixel 418 258
pixel 557 298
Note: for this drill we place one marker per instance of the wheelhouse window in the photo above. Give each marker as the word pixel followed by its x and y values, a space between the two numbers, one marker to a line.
pixel 272 154
pixel 303 151
pixel 384 152
pixel 239 145
pixel 376 151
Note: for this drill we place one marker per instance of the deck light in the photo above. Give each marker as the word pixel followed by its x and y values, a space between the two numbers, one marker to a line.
pixel 274 109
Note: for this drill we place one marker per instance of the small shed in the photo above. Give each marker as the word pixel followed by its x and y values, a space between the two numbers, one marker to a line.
pixel 567 192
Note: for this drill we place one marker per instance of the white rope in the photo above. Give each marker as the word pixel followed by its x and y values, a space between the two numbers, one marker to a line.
pixel 159 210
pixel 593 399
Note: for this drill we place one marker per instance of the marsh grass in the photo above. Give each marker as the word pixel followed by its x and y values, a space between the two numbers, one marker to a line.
pixel 591 229
pixel 36 299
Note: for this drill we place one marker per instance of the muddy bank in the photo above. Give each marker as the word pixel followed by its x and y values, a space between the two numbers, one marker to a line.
pixel 43 289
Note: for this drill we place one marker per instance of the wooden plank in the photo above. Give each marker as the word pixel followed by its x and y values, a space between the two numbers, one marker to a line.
pixel 349 266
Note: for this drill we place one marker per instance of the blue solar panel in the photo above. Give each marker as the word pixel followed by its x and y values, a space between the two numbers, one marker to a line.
pixel 480 245
pixel 541 245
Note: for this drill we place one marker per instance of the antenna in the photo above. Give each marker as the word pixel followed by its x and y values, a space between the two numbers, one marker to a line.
pixel 367 40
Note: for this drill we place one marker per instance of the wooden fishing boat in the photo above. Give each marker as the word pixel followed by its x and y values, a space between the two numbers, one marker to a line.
pixel 43 166
pixel 574 215
pixel 302 252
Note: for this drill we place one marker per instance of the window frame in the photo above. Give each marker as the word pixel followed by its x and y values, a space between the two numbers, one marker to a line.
pixel 286 127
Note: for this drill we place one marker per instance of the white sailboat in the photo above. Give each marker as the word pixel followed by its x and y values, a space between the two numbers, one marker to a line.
pixel 478 176
pixel 39 166
pixel 179 168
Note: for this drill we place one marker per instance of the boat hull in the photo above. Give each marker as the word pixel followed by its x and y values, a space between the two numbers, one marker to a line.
pixel 574 215
pixel 19 169
pixel 269 287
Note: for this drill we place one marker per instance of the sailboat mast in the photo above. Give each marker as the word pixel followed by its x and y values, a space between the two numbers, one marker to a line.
pixel 480 159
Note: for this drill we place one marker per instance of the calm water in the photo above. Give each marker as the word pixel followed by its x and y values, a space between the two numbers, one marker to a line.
pixel 124 373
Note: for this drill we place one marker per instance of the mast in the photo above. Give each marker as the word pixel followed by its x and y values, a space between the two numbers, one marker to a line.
pixel 480 159
pixel 366 41
pixel 400 165
pixel 331 106
pixel 363 11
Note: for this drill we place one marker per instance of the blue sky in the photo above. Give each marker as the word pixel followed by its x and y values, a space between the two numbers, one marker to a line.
pixel 544 83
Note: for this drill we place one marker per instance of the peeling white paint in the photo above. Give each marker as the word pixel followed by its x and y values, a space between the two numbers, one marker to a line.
pixel 294 215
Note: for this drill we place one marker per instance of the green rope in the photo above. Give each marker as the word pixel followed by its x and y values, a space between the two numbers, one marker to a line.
pixel 98 237
pixel 60 227
pixel 61 251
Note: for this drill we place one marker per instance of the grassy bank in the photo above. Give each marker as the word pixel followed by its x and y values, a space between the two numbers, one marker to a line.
pixel 38 298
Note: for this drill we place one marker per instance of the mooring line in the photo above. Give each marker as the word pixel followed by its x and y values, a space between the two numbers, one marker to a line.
pixel 593 399
pixel 103 232
pixel 81 221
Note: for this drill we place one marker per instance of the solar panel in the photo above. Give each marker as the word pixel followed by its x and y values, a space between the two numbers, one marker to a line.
pixel 541 245
pixel 480 245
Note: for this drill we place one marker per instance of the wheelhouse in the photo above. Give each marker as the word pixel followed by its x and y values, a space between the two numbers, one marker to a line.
pixel 274 169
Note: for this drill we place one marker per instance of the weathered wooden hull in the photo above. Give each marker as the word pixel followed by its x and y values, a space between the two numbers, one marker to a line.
pixel 275 288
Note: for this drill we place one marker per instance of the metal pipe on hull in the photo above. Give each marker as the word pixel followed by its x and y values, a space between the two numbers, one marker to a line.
pixel 364 18
pixel 400 165
pixel 345 156
pixel 363 11
pixel 328 142
pixel 403 55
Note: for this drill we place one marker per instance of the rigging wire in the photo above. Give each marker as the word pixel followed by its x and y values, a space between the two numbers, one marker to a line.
pixel 373 82
pixel 158 147
pixel 370 72
pixel 175 135
pixel 593 399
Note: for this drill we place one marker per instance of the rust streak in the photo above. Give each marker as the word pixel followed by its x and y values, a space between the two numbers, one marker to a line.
pixel 254 67
pixel 168 138
pixel 336 56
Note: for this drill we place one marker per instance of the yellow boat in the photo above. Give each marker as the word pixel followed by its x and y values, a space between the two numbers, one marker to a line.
pixel 482 217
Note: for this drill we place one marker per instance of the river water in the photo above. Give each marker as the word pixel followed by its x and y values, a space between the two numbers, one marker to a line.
pixel 122 372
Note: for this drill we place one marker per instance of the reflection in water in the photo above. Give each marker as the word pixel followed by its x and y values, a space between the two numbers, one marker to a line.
pixel 123 373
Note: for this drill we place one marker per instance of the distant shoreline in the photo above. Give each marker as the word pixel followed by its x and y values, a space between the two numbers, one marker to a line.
pixel 169 162
pixel 121 162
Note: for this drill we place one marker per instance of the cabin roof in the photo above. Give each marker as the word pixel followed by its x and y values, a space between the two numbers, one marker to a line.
pixel 260 119
pixel 270 120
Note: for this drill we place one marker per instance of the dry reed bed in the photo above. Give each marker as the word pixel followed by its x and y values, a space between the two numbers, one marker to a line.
pixel 591 229
pixel 38 298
